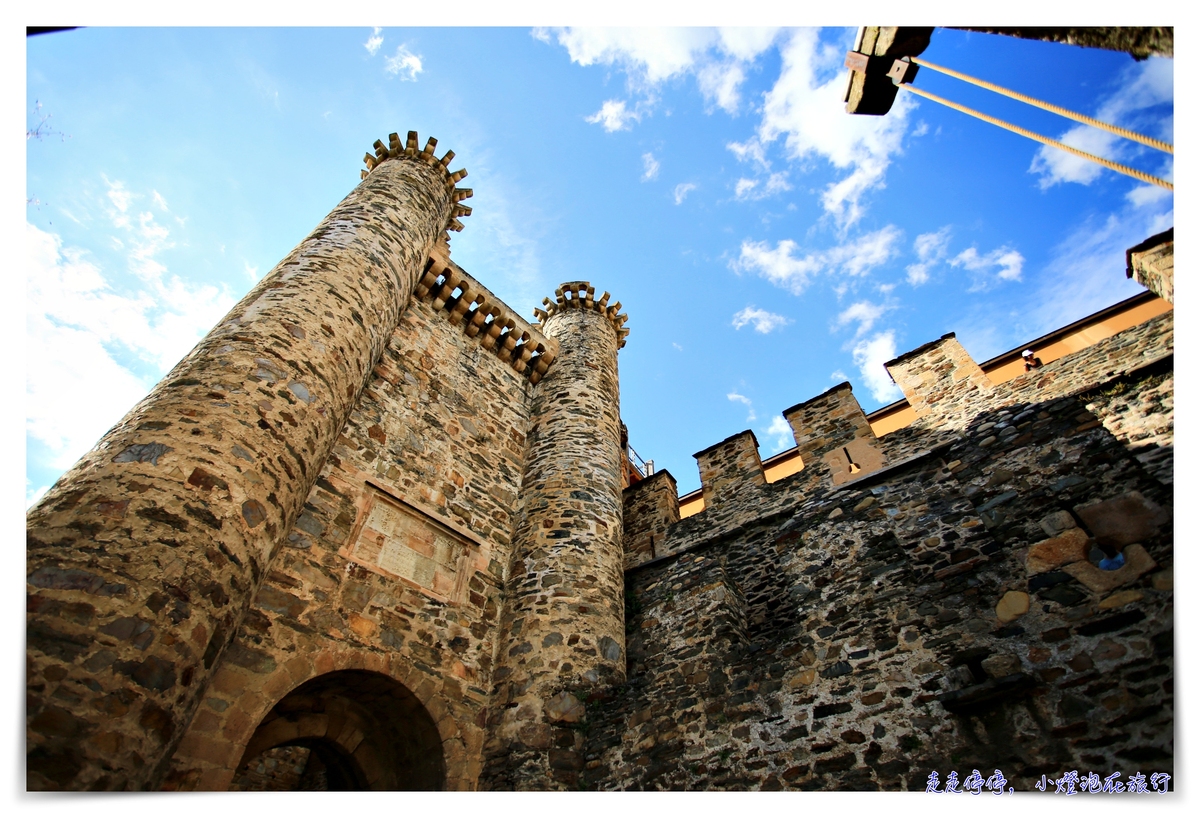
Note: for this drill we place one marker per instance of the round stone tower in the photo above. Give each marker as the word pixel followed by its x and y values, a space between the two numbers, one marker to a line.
pixel 563 628
pixel 143 558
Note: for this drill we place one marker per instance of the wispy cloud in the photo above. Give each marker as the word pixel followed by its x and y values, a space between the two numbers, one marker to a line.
pixel 1002 264
pixel 750 416
pixel 749 189
pixel 930 249
pixel 614 116
pixel 1087 267
pixel 870 354
pixel 650 167
pixel 779 435
pixel 804 107
pixel 717 57
pixel 864 313
pixel 785 267
pixel 403 64
pixel 78 325
pixel 682 190
pixel 762 320
pixel 1141 87
pixel 374 41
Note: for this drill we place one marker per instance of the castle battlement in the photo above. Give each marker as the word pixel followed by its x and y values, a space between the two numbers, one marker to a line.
pixel 580 295
pixel 449 288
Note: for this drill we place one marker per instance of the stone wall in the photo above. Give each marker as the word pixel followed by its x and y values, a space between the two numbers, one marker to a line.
pixel 399 556
pixel 934 617
pixel 946 611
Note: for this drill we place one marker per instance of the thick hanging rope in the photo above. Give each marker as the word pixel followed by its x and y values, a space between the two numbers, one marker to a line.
pixel 1046 106
pixel 1136 174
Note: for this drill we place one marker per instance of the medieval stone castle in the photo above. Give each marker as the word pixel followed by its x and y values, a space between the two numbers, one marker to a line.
pixel 376 531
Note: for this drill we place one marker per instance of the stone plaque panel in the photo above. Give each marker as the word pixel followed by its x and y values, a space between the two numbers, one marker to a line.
pixel 398 540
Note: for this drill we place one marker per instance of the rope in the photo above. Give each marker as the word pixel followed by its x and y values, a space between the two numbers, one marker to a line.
pixel 1046 106
pixel 1136 174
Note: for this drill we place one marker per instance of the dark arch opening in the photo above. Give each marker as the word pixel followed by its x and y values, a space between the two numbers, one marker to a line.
pixel 347 730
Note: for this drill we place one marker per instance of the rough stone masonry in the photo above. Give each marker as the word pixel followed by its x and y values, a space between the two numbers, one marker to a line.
pixel 374 532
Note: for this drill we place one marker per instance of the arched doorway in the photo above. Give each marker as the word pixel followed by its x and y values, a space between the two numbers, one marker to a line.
pixel 346 730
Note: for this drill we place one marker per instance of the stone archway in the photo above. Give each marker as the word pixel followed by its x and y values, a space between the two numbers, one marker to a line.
pixel 345 730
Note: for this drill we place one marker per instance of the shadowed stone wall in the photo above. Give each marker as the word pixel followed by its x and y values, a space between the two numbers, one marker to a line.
pixel 946 612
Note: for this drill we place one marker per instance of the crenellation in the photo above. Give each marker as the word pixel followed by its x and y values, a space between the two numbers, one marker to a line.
pixel 651 507
pixel 832 431
pixel 940 379
pixel 730 468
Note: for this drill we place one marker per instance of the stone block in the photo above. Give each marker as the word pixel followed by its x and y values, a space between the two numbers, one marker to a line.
pixel 1120 599
pixel 1058 522
pixel 1122 520
pixel 1070 546
pixel 565 708
pixel 1012 605
pixel 1001 664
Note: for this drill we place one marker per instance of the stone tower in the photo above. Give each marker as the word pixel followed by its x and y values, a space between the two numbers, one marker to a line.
pixel 143 558
pixel 563 629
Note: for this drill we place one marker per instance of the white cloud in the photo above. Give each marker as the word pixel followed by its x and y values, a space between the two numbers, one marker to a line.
pixel 779 435
pixel 763 321
pixel 403 64
pixel 650 56
pixel 863 312
pixel 750 416
pixel 614 116
pixel 1005 262
pixel 1143 194
pixel 870 356
pixel 750 150
pixel 251 271
pixel 374 41
pixel 677 346
pixel 805 108
pixel 748 189
pixel 682 190
pixel 930 248
pixel 1142 87
pixel 32 495
pixel 1087 267
pixel 76 322
pixel 782 267
pixel 160 201
pixel 719 83
pixel 120 198
pixel 779 266
pixel 651 166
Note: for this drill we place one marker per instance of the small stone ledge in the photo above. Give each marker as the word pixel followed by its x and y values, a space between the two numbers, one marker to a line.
pixel 580 295
pixel 451 291
pixel 394 150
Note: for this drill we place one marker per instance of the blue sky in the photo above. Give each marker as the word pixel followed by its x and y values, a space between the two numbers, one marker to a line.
pixel 765 244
